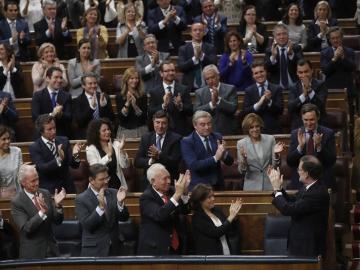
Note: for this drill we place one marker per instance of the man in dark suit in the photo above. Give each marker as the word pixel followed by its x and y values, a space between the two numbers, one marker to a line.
pixel 148 64
pixel 281 58
pixel 52 156
pixel 161 227
pixel 309 209
pixel 215 25
pixel 264 99
pixel 99 209
pixel 203 151
pixel 34 212
pixel 8 113
pixel 195 55
pixel 52 29
pixel 192 9
pixel 54 101
pixel 173 98
pixel 306 90
pixel 167 22
pixel 90 105
pixel 312 139
pixel 218 99
pixel 15 31
pixel 338 63
pixel 160 146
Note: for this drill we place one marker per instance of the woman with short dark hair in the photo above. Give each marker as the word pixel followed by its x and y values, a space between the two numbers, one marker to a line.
pixel 211 228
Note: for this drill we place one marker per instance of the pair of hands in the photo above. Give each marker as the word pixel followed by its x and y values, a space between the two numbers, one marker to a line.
pixel 197 51
pixel 317 137
pixel 274 50
pixel 182 185
pixel 167 100
pixel 130 99
pixel 75 151
pixel 102 100
pixel 120 196
pixel 3 104
pixel 339 53
pixel 235 55
pixel 109 147
pixel 171 15
pixel 58 198
pixel 234 209
pixel 51 25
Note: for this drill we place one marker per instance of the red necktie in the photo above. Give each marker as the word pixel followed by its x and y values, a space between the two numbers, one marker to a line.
pixel 174 237
pixel 310 144
pixel 36 202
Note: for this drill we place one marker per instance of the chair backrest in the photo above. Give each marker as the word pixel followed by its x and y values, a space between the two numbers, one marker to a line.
pixel 128 236
pixel 275 234
pixel 68 236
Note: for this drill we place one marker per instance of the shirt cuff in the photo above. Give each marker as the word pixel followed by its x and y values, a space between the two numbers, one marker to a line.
pixel 161 25
pixel 47 33
pixel 120 206
pixel 211 105
pixel 42 215
pixel 272 60
pixel 278 194
pixel 58 161
pixel 65 33
pixel 174 201
pixel 269 103
pixel 11 41
pixel 256 106
pixel 149 68
pixel 99 211
pixel 177 20
pixel 302 98
pixel 312 94
pixel 291 56
pixel 299 149
pixel 195 61
pixel 185 198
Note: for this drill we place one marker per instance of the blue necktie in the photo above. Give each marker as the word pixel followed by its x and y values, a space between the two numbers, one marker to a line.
pixel 262 90
pixel 211 29
pixel 53 99
pixel 207 145
pixel 284 69
pixel 158 142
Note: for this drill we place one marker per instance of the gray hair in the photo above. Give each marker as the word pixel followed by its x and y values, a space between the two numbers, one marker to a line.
pixel 200 114
pixel 48 3
pixel 150 36
pixel 211 67
pixel 153 170
pixel 88 75
pixel 204 1
pixel 280 26
pixel 23 171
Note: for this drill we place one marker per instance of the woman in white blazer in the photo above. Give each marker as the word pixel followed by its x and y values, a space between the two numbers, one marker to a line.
pixel 256 153
pixel 104 150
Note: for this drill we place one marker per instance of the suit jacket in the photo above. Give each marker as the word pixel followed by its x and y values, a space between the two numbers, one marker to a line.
pixel 84 113
pixel 170 155
pixel 187 66
pixel 309 211
pixel 261 29
pixel 41 104
pixel 8 116
pixel 339 74
pixel 192 9
pixel 274 68
pixel 99 233
pixel 170 33
pixel 52 176
pixel 327 156
pixel 314 42
pixel 16 80
pixel 5 35
pixel 151 79
pixel 295 103
pixel 207 235
pixel 179 119
pixel 223 114
pixel 202 165
pixel 219 33
pixel 158 219
pixel 256 177
pixel 93 157
pixel 36 235
pixel 58 39
pixel 270 114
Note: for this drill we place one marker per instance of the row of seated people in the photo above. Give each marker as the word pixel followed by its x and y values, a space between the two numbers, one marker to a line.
pixel 166 22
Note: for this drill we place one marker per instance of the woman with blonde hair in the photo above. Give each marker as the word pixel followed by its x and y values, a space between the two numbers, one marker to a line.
pixel 131 33
pixel 139 7
pixel 131 105
pixel 318 28
pixel 256 152
pixel 95 32
pixel 47 58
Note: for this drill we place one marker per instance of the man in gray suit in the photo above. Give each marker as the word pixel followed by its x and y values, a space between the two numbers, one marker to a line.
pixel 218 99
pixel 99 209
pixel 34 211
pixel 149 63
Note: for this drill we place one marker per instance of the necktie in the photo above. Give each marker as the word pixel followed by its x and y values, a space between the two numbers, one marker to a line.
pixel 14 31
pixel 262 90
pixel 96 113
pixel 174 237
pixel 310 144
pixel 169 88
pixel 53 99
pixel 207 145
pixel 36 202
pixel 284 69
pixel 52 148
pixel 211 29
pixel 158 142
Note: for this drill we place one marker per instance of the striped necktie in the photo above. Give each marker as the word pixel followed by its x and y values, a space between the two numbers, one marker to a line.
pixel 52 148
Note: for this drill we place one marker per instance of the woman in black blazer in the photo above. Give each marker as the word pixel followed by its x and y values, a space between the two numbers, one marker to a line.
pixel 209 224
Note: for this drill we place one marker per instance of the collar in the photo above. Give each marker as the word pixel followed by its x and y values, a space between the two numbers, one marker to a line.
pixel 30 195
pixel 314 131
pixel 196 43
pixel 46 140
pixel 217 87
pixel 10 22
pixel 162 136
pixel 309 185
pixel 265 84
pixel 166 10
pixel 202 138
pixel 166 86
pixel 50 90
pixel 158 193
pixel 94 191
pixel 318 22
pixel 88 96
